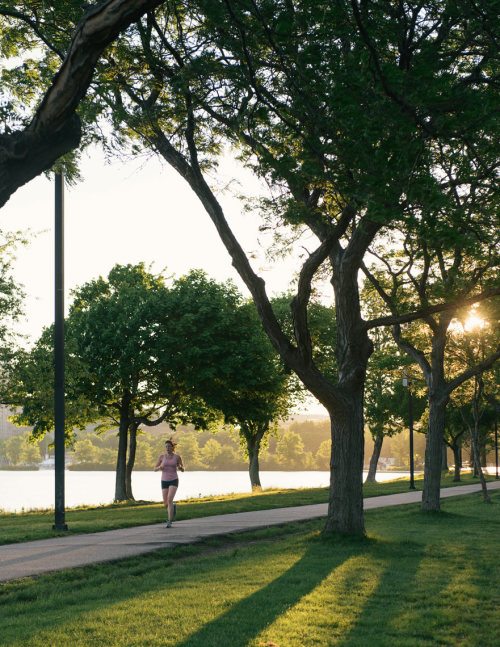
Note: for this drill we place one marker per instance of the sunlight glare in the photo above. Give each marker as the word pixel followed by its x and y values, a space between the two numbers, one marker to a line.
pixel 473 322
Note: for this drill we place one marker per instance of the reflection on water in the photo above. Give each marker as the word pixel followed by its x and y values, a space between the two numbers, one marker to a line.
pixel 32 490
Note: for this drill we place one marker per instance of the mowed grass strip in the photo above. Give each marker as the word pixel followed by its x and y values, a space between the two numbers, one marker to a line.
pixel 416 580
pixel 28 526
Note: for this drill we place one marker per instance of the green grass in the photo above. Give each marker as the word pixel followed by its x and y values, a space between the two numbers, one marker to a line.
pixel 417 580
pixel 27 526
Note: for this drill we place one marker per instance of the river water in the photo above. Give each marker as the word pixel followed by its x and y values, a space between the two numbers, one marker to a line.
pixel 35 490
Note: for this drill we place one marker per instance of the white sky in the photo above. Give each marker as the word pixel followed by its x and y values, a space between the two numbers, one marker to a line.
pixel 128 213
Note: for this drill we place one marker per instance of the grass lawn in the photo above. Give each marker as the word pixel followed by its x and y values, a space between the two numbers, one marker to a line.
pixel 417 580
pixel 27 526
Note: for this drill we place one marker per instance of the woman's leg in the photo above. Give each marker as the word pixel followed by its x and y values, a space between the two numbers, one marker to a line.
pixel 170 501
pixel 164 493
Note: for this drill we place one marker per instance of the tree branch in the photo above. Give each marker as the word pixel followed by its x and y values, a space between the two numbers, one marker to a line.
pixel 55 128
pixel 425 312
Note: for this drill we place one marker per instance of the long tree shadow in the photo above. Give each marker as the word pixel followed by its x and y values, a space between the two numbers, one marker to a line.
pixel 373 625
pixel 249 617
pixel 124 580
pixel 418 601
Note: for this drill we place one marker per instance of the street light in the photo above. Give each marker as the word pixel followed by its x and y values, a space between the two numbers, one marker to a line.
pixel 59 521
pixel 407 382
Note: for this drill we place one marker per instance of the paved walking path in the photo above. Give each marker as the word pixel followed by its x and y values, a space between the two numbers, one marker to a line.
pixel 42 556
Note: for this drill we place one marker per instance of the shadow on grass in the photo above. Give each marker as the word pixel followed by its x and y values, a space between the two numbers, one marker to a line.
pixel 435 592
pixel 249 617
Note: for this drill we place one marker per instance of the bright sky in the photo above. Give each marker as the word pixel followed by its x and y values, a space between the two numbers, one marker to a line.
pixel 128 213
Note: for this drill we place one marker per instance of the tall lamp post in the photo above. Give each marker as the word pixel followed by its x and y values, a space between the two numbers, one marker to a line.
pixel 407 382
pixel 59 517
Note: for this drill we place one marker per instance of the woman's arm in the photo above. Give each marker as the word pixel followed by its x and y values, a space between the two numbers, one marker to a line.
pixel 158 463
pixel 180 464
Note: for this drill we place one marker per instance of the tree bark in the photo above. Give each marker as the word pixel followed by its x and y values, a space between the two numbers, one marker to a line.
pixel 253 434
pixel 132 446
pixel 253 467
pixel 121 459
pixel 444 457
pixel 345 505
pixel 434 443
pixel 353 349
pixel 457 454
pixel 377 448
pixel 477 464
pixel 474 432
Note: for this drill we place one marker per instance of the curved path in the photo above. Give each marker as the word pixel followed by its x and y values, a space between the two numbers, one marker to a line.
pixel 58 553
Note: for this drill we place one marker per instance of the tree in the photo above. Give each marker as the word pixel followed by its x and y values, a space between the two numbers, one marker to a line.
pixel 346 127
pixel 472 341
pixel 323 455
pixel 120 368
pixel 85 451
pixel 11 305
pixel 290 450
pixel 123 333
pixel 454 437
pixel 231 364
pixel 385 404
pixel 19 451
pixel 191 455
pixel 29 388
pixel 55 128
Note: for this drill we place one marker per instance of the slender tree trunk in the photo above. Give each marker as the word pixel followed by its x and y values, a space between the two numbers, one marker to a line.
pixel 433 457
pixel 377 448
pixel 444 457
pixel 253 467
pixel 473 463
pixel 121 459
pixel 253 436
pixel 474 431
pixel 457 454
pixel 132 446
pixel 477 463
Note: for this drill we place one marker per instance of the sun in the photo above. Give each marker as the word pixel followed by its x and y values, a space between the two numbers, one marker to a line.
pixel 473 322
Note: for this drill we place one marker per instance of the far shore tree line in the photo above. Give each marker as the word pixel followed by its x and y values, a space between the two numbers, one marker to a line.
pixel 375 127
pixel 296 446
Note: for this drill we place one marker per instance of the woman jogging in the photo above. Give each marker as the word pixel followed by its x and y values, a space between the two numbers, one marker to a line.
pixel 169 463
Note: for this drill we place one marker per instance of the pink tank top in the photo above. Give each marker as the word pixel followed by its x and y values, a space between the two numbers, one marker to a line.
pixel 169 467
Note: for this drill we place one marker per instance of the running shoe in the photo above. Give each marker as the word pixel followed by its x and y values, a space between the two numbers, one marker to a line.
pixel 168 524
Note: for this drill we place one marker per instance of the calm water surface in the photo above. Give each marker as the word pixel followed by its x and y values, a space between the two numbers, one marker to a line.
pixel 32 490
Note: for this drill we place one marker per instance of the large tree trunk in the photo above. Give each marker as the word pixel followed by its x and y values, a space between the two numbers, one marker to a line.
pixel 377 448
pixel 345 505
pixel 434 443
pixel 132 446
pixel 121 459
pixel 353 349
